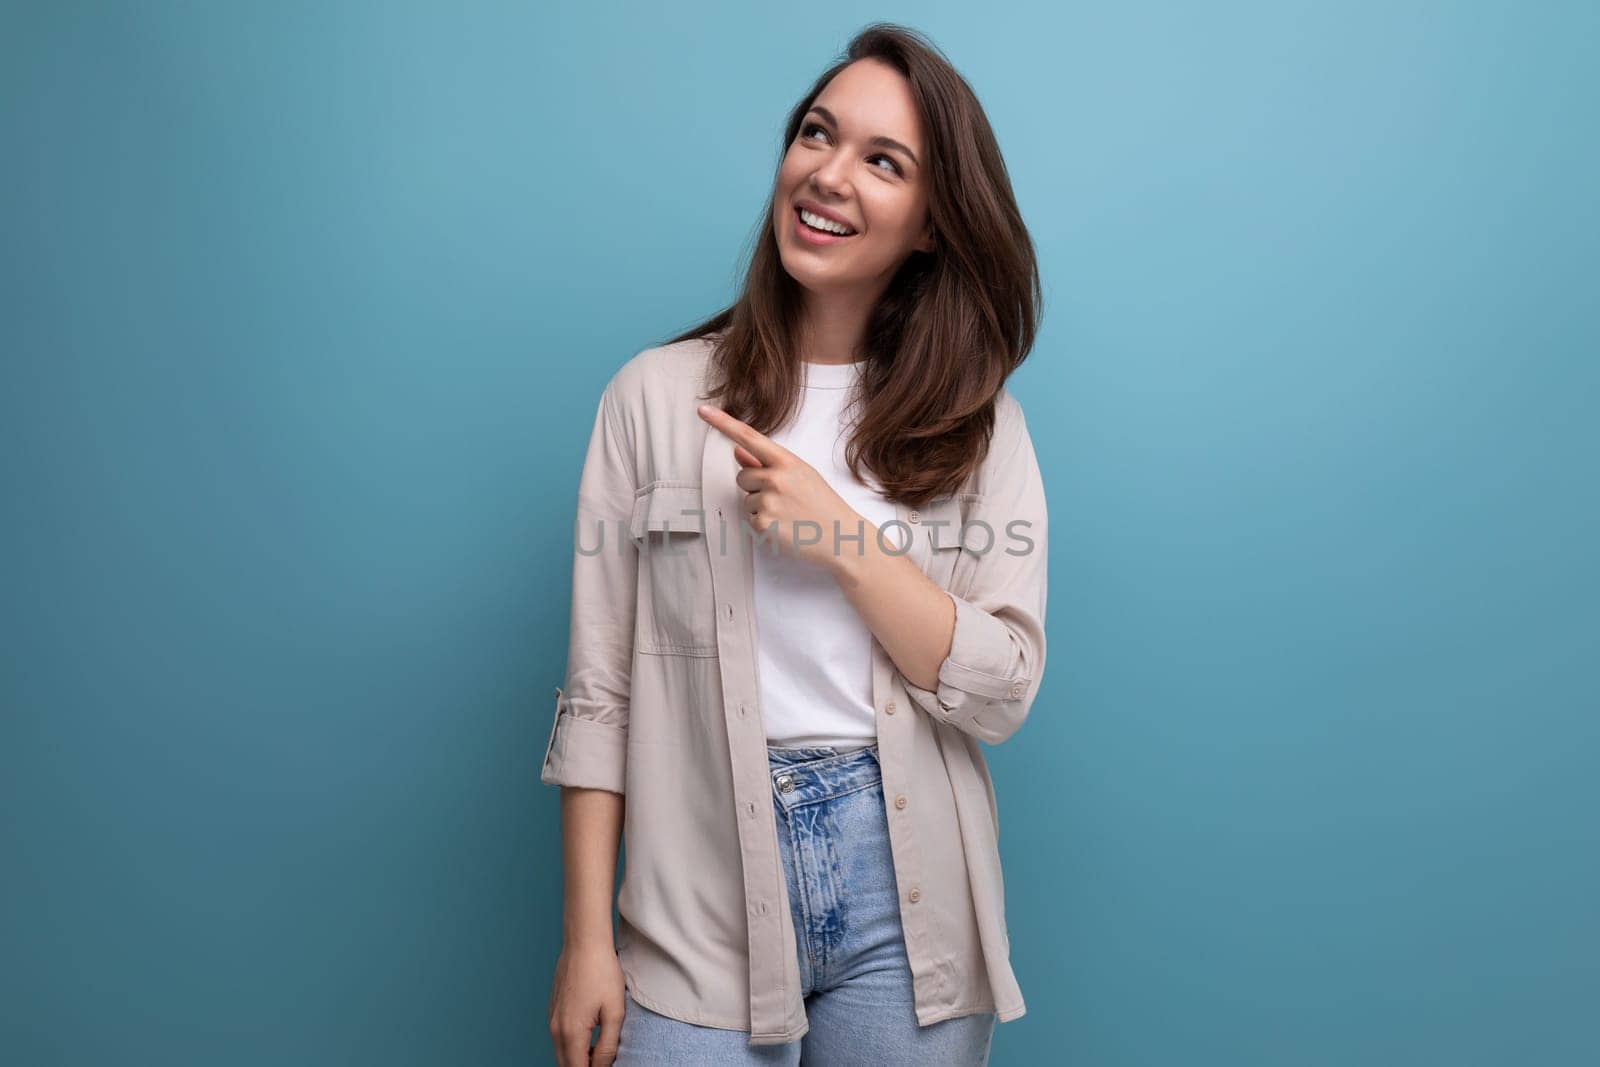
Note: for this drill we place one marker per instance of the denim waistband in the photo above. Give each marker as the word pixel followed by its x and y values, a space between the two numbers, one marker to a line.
pixel 789 754
pixel 814 773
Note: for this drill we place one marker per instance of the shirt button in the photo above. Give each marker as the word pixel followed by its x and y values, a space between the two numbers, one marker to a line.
pixel 900 801
pixel 915 895
pixel 889 708
pixel 785 784
pixel 1017 690
pixel 914 517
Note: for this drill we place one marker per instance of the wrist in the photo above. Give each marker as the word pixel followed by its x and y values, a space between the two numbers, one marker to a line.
pixel 589 941
pixel 850 556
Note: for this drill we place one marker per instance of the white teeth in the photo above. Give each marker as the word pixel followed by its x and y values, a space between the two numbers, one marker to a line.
pixel 817 222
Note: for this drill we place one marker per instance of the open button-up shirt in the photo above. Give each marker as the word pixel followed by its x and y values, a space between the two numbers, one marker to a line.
pixel 660 704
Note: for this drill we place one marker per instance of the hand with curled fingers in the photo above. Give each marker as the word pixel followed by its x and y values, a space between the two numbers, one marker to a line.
pixel 787 501
pixel 588 990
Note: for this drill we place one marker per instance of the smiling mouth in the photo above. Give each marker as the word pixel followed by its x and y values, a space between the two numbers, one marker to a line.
pixel 818 224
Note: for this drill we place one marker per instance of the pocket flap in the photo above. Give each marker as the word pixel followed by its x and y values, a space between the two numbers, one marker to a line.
pixel 673 507
pixel 947 513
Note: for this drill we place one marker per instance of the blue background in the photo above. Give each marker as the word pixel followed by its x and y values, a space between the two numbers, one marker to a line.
pixel 306 312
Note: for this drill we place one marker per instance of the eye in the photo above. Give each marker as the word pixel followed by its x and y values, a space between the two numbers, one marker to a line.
pixel 805 132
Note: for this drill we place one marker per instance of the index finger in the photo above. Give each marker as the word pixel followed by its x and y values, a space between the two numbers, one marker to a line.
pixel 754 441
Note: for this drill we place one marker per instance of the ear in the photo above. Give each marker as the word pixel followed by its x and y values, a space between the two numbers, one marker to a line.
pixel 928 241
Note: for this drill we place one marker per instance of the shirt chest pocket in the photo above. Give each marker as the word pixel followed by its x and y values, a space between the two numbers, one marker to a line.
pixel 952 560
pixel 676 614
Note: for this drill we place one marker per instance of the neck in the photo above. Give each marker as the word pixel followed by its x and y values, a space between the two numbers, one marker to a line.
pixel 833 324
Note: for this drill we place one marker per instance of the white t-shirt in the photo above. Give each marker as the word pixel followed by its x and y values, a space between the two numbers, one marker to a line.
pixel 814 653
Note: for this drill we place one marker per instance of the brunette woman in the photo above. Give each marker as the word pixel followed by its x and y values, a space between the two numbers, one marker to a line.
pixel 810 578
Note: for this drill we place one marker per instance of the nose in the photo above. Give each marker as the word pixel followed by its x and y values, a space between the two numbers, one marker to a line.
pixel 828 179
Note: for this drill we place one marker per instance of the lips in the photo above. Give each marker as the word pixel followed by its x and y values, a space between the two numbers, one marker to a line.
pixel 832 216
pixel 816 238
pixel 806 229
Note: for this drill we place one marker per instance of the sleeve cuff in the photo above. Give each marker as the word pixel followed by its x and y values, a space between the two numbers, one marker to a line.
pixel 981 653
pixel 585 753
pixel 970 679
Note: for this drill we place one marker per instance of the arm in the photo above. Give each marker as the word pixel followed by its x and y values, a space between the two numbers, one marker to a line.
pixel 588 747
pixel 587 752
pixel 974 661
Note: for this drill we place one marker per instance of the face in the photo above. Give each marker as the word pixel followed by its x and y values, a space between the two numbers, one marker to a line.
pixel 858 160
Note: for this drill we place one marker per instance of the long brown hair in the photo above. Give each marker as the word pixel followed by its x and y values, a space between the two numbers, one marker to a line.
pixel 950 328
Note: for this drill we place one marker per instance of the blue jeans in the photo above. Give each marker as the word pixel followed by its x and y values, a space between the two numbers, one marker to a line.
pixel 834 836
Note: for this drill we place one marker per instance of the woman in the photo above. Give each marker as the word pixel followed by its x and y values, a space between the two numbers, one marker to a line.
pixel 828 587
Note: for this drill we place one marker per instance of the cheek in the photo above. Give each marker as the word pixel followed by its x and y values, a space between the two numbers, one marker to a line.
pixel 894 219
pixel 789 171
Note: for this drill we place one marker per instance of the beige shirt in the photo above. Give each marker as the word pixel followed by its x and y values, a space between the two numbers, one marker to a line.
pixel 660 704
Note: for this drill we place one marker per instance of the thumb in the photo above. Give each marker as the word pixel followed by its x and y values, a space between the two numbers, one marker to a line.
pixel 604 1052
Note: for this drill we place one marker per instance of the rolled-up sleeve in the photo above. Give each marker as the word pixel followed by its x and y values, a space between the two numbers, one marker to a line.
pixel 987 682
pixel 588 744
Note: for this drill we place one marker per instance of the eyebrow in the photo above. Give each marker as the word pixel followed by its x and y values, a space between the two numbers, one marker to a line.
pixel 887 142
